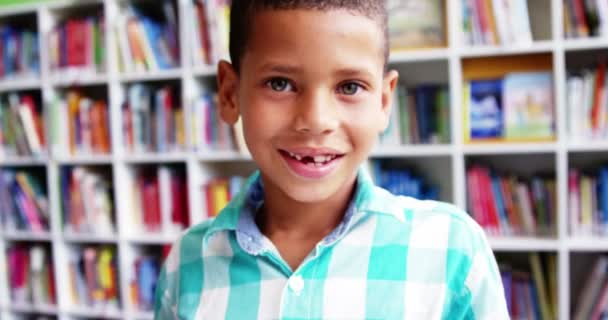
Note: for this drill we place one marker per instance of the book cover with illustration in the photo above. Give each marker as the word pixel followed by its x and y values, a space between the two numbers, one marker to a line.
pixel 528 104
pixel 485 109
pixel 416 24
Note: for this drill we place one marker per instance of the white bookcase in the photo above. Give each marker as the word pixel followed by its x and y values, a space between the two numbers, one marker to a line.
pixel 441 164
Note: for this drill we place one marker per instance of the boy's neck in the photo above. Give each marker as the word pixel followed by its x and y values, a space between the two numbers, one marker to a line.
pixel 284 217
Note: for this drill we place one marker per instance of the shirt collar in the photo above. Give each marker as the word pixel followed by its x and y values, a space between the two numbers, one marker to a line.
pixel 239 214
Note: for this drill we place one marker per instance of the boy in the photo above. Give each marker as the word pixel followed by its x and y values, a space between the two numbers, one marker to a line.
pixel 310 237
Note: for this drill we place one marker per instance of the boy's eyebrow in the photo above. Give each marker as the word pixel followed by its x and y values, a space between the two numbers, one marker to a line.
pixel 279 68
pixel 352 72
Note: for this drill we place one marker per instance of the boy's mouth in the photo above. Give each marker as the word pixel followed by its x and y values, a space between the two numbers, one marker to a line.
pixel 312 163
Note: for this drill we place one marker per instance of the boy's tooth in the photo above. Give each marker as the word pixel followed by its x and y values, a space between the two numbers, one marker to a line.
pixel 298 157
pixel 319 159
pixel 292 154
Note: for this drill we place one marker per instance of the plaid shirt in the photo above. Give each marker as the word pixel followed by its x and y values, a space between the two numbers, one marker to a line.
pixel 391 257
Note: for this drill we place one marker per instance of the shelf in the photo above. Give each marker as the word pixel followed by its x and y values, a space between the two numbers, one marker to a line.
pixel 171 74
pixel 153 238
pixel 17 235
pixel 91 312
pixel 485 51
pixel 509 148
pixel 17 84
pixel 589 146
pixel 418 55
pixel 23 161
pixel 33 308
pixel 523 244
pixel 412 151
pixel 585 44
pixel 140 315
pixel 156 157
pixel 205 71
pixel 71 78
pixel 588 244
pixel 223 156
pixel 90 238
pixel 102 159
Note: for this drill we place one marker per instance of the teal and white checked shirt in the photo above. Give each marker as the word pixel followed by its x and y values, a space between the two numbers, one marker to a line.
pixel 391 257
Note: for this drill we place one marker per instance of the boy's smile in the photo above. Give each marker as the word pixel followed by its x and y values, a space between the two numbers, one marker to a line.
pixel 313 98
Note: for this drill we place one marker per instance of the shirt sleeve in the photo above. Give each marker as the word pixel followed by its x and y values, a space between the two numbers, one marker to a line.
pixel 483 282
pixel 166 293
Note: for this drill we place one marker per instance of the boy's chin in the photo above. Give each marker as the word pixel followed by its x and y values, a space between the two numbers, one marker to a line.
pixel 309 194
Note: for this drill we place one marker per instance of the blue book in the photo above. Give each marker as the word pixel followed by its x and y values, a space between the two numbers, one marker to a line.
pixel 534 302
pixel 485 109
pixel 603 195
pixel 498 199
pixel 65 193
pixel 147 275
pixel 505 275
pixel 425 99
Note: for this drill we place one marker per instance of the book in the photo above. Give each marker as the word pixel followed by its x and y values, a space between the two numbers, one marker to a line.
pixel 219 191
pixel 21 126
pixel 24 201
pixel 402 181
pixel 93 277
pixel 496 22
pixel 87 204
pixel 19 53
pixel 416 24
pixel 485 109
pixel 528 106
pixel 31 275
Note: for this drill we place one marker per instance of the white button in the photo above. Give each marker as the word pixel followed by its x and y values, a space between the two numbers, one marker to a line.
pixel 296 284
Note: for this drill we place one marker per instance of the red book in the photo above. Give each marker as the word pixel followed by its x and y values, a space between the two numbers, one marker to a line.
pixel 491 202
pixel 76 34
pixel 179 200
pixel 598 99
pixel 51 282
pixel 151 205
pixel 204 31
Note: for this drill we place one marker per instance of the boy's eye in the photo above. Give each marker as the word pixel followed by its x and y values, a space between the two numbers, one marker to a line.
pixel 279 84
pixel 350 88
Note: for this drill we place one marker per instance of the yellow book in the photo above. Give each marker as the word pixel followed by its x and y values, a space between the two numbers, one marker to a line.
pixel 73 110
pixel 541 288
pixel 219 194
pixel 180 131
pixel 466 96
pixel 586 214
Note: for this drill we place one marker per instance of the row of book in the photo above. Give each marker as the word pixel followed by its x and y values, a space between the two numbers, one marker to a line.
pixel 87 200
pixel 21 126
pixel 24 203
pixel 587 104
pixel 531 292
pixel 419 115
pixel 80 124
pixel 210 22
pixel 588 202
pixel 148 40
pixel 31 278
pixel 592 301
pixel 584 18
pixel 160 199
pixel 153 120
pixel 219 191
pixel 209 131
pixel 504 204
pixel 19 53
pixel 78 44
pixel 93 276
pixel 402 182
pixel 519 106
pixel 494 22
pixel 146 270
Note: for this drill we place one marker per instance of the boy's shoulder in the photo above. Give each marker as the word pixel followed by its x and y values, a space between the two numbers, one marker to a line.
pixel 434 223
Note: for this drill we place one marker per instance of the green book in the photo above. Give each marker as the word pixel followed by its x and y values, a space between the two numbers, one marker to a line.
pixel 404 115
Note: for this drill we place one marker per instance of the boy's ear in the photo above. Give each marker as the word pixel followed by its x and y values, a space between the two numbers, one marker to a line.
pixel 388 89
pixel 227 83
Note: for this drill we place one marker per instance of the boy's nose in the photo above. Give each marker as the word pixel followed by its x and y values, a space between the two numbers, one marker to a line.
pixel 316 114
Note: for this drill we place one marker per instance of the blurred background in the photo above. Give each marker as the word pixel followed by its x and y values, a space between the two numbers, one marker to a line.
pixel 111 144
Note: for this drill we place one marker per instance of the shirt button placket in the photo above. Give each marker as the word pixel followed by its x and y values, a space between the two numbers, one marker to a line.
pixel 296 284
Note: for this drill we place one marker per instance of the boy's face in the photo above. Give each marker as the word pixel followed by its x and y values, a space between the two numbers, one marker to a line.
pixel 312 96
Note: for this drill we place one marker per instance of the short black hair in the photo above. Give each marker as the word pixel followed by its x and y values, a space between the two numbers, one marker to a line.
pixel 242 13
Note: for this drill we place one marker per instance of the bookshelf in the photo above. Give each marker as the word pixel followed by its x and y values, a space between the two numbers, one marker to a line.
pixel 444 164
